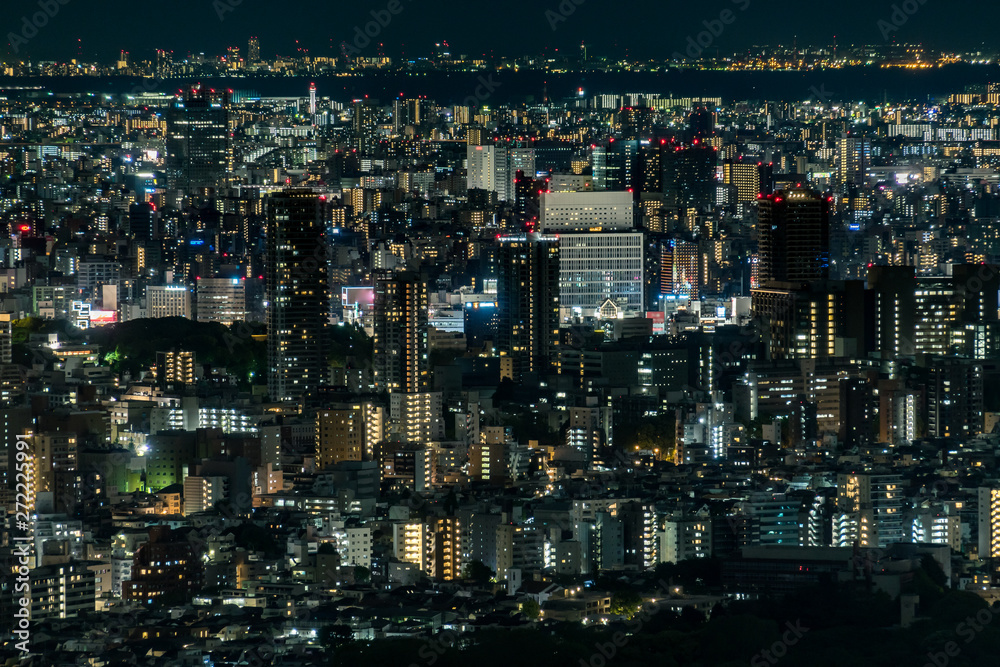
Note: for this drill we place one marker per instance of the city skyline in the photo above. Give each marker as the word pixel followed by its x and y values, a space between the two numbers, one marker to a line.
pixel 212 27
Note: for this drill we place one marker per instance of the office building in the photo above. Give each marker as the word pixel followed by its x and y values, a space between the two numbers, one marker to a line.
pixel 586 211
pixel 597 267
pixel 221 300
pixel 199 150
pixel 168 301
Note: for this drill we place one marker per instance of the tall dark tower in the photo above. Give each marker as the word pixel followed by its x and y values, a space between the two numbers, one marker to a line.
pixel 401 354
pixel 528 300
pixel 701 124
pixel 253 51
pixel 793 231
pixel 297 294
pixel 199 153
pixel 688 175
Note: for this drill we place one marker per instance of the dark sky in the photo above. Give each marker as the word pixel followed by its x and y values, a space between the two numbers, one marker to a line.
pixel 646 28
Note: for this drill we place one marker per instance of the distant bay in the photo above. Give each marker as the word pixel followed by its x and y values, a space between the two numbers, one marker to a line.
pixel 871 84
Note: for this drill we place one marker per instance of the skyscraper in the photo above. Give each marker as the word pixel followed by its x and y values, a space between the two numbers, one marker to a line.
pixel 793 230
pixel 253 52
pixel 616 165
pixel 199 153
pixel 297 294
pixel 688 175
pixel 401 352
pixel 365 123
pixel 528 299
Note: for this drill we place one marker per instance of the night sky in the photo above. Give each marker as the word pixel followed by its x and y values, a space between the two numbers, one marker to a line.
pixel 653 29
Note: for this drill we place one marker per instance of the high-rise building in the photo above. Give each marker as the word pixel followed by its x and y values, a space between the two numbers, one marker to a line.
pixel 989 522
pixel 253 51
pixel 854 156
pixel 688 175
pixel 872 510
pixel 199 150
pixel 586 211
pixel 176 367
pixel 793 231
pixel 297 294
pixel 750 179
pixel 894 291
pixel 417 417
pixel 954 398
pixel 616 165
pixel 408 112
pixel 528 300
pixel 682 268
pixel 365 123
pixel 400 323
pixel 701 123
pixel 142 221
pixel 596 267
pixel 494 167
pixel 221 300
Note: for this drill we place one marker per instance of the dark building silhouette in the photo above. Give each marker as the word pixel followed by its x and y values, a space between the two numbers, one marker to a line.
pixel 528 300
pixel 166 567
pixel 793 231
pixel 297 294
pixel 688 175
pixel 199 151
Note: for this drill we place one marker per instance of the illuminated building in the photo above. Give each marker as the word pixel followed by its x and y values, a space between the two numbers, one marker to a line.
pixel 528 300
pixel 596 267
pixel 688 175
pixel 870 509
pixel 349 432
pixel 400 341
pixel 854 156
pixel 175 368
pixel 954 398
pixel 682 268
pixel 168 301
pixel 297 294
pixel 494 167
pixel 165 566
pixel 435 546
pixel 989 522
pixel 61 590
pixel 481 324
pixel 417 417
pixel 221 300
pixel 253 51
pixel 616 165
pixel 199 153
pixel 749 178
pixel 586 212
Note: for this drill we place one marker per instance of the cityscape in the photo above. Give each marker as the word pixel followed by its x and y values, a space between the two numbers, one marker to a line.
pixel 568 358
